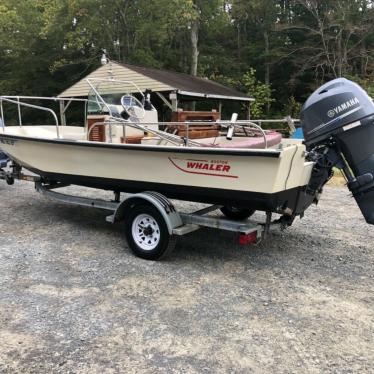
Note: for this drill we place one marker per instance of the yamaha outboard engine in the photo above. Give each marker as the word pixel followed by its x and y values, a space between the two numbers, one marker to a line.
pixel 338 125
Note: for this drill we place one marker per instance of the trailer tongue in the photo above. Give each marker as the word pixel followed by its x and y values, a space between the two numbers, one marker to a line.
pixel 338 124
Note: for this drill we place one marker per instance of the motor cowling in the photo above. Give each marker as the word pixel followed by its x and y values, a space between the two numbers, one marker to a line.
pixel 340 115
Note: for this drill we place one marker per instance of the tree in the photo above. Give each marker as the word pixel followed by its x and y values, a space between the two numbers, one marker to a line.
pixel 262 14
pixel 331 37
pixel 248 83
pixel 294 45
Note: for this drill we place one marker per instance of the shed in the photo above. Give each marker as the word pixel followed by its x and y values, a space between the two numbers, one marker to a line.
pixel 170 87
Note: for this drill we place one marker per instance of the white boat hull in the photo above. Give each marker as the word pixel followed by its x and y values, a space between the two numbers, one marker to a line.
pixel 256 178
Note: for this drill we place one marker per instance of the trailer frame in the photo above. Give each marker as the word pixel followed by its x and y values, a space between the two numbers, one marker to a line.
pixel 176 223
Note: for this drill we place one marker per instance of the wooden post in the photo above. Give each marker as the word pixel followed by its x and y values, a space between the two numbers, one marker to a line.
pixel 249 111
pixel 174 104
pixel 62 113
pixel 174 101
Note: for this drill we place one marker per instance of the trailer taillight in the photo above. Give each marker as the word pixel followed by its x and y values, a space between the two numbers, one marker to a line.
pixel 250 238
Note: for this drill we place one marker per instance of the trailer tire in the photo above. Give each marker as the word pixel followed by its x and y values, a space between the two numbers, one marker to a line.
pixel 147 233
pixel 9 180
pixel 236 214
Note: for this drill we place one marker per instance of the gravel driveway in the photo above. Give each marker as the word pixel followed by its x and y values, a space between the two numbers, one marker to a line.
pixel 73 299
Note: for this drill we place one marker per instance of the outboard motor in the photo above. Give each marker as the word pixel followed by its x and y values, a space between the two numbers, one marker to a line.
pixel 338 125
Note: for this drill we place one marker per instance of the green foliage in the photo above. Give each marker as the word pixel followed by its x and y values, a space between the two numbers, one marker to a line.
pixel 261 92
pixel 367 83
pixel 292 107
pixel 292 45
pixel 253 87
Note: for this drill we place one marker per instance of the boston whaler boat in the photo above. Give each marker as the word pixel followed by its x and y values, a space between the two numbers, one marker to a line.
pixel 242 168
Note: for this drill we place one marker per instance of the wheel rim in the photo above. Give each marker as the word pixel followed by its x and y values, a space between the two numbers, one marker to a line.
pixel 146 232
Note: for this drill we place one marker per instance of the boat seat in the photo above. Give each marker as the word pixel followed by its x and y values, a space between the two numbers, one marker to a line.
pixel 200 124
pixel 273 138
pixel 132 139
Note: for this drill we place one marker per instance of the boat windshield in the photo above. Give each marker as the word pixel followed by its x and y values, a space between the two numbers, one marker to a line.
pixel 109 92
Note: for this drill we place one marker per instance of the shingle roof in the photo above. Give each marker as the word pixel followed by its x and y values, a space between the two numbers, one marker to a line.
pixel 157 80
pixel 188 83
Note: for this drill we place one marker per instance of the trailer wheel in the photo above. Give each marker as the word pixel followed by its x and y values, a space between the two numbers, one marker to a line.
pixel 147 233
pixel 9 180
pixel 236 213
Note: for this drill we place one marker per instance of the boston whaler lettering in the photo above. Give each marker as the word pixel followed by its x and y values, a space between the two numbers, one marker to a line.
pixel 123 148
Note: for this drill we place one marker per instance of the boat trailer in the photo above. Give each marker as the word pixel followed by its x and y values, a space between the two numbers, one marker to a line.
pixel 152 221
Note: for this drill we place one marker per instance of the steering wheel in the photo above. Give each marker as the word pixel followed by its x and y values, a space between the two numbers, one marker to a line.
pixel 133 107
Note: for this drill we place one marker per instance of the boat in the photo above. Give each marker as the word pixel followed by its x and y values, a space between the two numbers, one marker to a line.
pixel 226 170
pixel 123 148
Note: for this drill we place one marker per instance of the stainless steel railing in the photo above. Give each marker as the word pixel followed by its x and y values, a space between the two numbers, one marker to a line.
pixel 173 138
pixel 19 104
pixel 231 125
pixel 16 101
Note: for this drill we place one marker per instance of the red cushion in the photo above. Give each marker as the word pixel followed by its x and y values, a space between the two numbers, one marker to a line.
pixel 272 138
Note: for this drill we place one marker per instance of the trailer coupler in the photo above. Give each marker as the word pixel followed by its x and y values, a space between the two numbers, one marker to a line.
pixel 15 173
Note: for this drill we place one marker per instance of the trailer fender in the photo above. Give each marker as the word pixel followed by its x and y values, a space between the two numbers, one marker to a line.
pixel 160 202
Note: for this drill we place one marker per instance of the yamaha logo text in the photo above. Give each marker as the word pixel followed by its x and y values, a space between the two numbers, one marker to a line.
pixel 343 107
